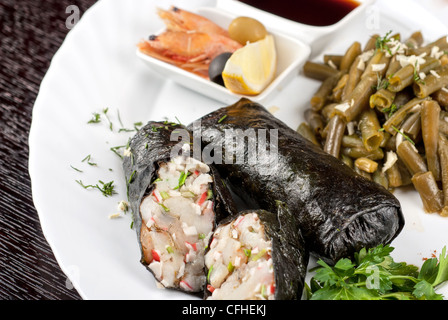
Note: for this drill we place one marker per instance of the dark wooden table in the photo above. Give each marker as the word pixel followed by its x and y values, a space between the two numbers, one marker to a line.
pixel 30 33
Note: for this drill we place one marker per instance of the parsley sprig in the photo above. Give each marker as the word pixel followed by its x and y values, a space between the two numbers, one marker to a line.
pixel 374 275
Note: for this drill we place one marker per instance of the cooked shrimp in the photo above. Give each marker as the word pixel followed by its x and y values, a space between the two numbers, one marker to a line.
pixel 192 51
pixel 181 20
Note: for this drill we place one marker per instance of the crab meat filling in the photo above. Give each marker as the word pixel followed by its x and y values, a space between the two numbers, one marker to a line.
pixel 178 220
pixel 239 261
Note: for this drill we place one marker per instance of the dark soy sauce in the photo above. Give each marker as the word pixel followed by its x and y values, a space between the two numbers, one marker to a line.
pixel 311 12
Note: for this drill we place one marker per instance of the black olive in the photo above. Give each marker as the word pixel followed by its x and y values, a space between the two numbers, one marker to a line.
pixel 217 66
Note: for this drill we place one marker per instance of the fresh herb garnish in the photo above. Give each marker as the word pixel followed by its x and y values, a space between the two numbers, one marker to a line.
pixel 404 136
pixel 390 110
pixel 87 159
pixel 76 169
pixel 107 189
pixel 382 43
pixel 96 118
pixel 416 75
pixel 374 275
pixel 222 119
pixel 381 83
pixel 105 110
pixel 115 150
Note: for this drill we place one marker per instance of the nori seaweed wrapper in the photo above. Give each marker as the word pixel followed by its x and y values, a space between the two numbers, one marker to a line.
pixel 149 147
pixel 289 254
pixel 339 212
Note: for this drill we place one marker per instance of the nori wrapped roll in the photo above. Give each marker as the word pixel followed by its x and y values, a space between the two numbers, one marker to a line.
pixel 339 211
pixel 176 203
pixel 256 255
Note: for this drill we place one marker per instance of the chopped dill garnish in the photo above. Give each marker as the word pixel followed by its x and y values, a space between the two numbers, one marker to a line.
pixel 381 83
pixel 107 117
pixel 106 188
pixel 222 119
pixel 390 110
pixel 76 169
pixel 115 150
pixel 87 159
pixel 417 76
pixel 404 136
pixel 381 43
pixel 96 118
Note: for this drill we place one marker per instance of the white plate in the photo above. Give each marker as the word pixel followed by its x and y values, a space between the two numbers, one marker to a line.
pixel 291 55
pixel 96 68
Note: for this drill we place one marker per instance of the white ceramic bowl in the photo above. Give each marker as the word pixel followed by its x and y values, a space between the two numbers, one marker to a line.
pixel 291 55
pixel 315 36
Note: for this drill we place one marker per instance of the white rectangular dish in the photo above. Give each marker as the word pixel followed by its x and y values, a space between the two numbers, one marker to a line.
pixel 316 37
pixel 291 55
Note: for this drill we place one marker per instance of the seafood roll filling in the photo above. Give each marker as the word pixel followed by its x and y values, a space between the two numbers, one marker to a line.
pixel 239 261
pixel 177 222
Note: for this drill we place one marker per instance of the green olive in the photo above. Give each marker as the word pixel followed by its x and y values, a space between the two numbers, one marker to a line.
pixel 245 29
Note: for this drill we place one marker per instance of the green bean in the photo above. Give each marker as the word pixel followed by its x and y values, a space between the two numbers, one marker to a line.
pixel 339 88
pixel 406 75
pixel 333 59
pixel 305 131
pixel 318 71
pixel 443 126
pixel 328 111
pixel 430 134
pixel 354 75
pixel 394 66
pixel 314 120
pixel 371 43
pixel 441 96
pixel 366 164
pixel 415 40
pixel 411 158
pixel 358 100
pixel 387 137
pixel 391 143
pixel 441 43
pixel 379 58
pixel 394 176
pixel 350 55
pixel 432 82
pixel 382 99
pixel 400 115
pixel 335 131
pixel 347 160
pixel 430 193
pixel 412 125
pixel 443 155
pixel 406 177
pixel 363 173
pixel 370 129
pixel 320 98
pixel 403 97
pixel 380 177
pixel 358 152
pixel 352 141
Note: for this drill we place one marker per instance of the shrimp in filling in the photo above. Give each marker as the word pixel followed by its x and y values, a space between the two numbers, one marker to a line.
pixel 178 220
pixel 239 261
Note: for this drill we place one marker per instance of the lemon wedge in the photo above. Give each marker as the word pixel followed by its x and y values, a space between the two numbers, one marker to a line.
pixel 251 68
